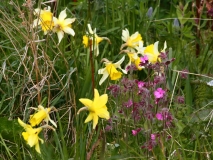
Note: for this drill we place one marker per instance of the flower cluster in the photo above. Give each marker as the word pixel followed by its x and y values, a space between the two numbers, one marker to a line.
pixel 48 22
pixel 31 134
pixel 139 56
pixel 146 101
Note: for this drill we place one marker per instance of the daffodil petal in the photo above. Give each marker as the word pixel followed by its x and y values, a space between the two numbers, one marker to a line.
pixel 101 71
pixel 89 117
pixel 40 107
pixel 69 30
pixel 165 46
pixel 51 121
pixel 96 94
pixel 24 125
pixel 60 36
pixel 117 64
pixel 37 148
pixel 95 121
pixel 90 29
pixel 104 77
pixel 21 123
pixel 125 35
pixel 103 113
pixel 69 21
pixel 62 15
pixel 36 22
pixel 25 135
pixel 135 56
pixel 55 20
pixel 42 141
pixel 32 140
pixel 156 47
pixel 123 70
pixel 101 101
pixel 86 102
pixel 37 11
pixel 96 50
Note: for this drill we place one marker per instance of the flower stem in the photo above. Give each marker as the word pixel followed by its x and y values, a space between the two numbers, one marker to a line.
pixel 92 67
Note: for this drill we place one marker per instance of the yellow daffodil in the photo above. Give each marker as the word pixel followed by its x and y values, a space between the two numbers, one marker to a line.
pixel 94 38
pixel 97 108
pixel 131 41
pixel 42 114
pixel 134 58
pixel 45 19
pixel 31 135
pixel 62 25
pixel 110 70
pixel 152 52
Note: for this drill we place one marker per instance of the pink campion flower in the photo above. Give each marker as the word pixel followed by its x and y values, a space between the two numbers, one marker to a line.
pixel 166 116
pixel 180 99
pixel 135 132
pixel 159 116
pixel 108 128
pixel 159 93
pixel 184 74
pixel 128 104
pixel 144 59
pixel 153 136
pixel 140 84
pixel 159 79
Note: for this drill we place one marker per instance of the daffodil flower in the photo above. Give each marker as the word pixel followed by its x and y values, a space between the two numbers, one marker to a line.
pixel 45 19
pixel 111 70
pixel 62 25
pixel 135 57
pixel 94 38
pixel 152 52
pixel 31 135
pixel 131 41
pixel 42 114
pixel 97 108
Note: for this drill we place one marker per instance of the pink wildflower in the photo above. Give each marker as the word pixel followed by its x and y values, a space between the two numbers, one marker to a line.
pixel 144 59
pixel 159 93
pixel 153 136
pixel 128 104
pixel 135 132
pixel 140 84
pixel 159 116
pixel 184 74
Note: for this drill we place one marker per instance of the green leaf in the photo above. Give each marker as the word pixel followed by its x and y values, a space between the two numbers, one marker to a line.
pixel 9 128
pixel 180 126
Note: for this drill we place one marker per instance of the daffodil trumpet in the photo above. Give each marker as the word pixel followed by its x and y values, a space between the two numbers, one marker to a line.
pixel 45 19
pixel 111 70
pixel 41 114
